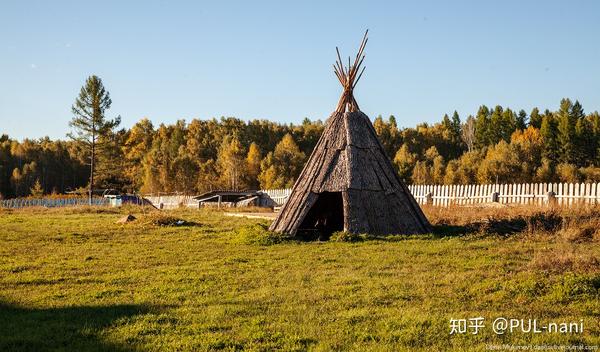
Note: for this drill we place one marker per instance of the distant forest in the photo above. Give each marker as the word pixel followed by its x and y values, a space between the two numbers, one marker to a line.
pixel 495 145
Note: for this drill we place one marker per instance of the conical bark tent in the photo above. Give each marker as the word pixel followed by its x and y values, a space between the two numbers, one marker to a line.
pixel 348 183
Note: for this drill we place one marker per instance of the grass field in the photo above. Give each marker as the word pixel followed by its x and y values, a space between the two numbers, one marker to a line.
pixel 72 279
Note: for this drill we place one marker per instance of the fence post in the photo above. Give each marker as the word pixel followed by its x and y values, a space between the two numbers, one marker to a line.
pixel 550 198
pixel 495 197
pixel 429 198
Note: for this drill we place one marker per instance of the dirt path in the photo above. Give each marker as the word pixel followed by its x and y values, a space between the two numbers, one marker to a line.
pixel 268 216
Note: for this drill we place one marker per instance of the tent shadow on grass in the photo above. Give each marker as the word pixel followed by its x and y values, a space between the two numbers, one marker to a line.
pixel 66 329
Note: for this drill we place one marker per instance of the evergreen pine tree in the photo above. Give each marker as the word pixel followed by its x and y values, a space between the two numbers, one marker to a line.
pixel 549 132
pixel 458 146
pixel 586 145
pixel 521 120
pixel 595 122
pixel 566 131
pixel 577 111
pixel 507 125
pixel 446 122
pixel 535 119
pixel 90 123
pixel 482 127
pixel 583 135
pixel 498 128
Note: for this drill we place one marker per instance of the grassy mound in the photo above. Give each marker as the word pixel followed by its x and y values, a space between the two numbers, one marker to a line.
pixel 258 234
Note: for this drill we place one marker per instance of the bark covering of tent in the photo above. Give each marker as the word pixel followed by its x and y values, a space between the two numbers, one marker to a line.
pixel 348 183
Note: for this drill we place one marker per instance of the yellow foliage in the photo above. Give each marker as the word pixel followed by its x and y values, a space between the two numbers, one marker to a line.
pixel 500 165
pixel 280 168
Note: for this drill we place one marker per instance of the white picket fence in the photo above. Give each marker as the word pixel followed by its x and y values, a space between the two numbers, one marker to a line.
pixel 518 193
pixel 15 203
pixel 279 196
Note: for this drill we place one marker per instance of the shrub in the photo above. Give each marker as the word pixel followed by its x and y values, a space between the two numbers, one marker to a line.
pixel 343 236
pixel 547 221
pixel 568 173
pixel 258 234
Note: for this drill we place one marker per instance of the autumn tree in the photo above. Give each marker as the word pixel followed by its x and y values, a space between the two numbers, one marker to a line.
pixel 435 164
pixel 184 173
pixel 528 144
pixel 404 161
pixel 208 176
pixel 388 134
pixel 468 133
pixel 280 168
pixel 500 165
pixel 22 179
pixel 136 146
pixel 451 176
pixel 420 174
pixel 167 145
pixel 307 134
pixel 568 173
pixel 468 165
pixel 430 170
pixel 36 190
pixel 5 166
pixel 545 172
pixel 231 163
pixel 590 174
pixel 253 159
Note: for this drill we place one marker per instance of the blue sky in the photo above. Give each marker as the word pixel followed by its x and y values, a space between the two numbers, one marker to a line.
pixel 169 60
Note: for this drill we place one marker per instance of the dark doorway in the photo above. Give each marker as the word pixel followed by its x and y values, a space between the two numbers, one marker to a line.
pixel 325 217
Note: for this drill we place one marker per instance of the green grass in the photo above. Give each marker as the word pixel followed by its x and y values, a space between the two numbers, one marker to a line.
pixel 72 279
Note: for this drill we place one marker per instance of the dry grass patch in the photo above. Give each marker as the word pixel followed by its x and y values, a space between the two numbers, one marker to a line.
pixel 251 209
pixel 574 224
pixel 565 259
pixel 579 234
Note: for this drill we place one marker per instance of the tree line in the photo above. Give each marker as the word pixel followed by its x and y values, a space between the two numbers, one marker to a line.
pixel 494 145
